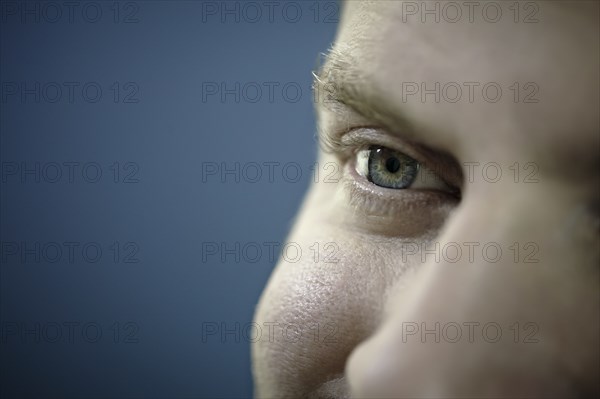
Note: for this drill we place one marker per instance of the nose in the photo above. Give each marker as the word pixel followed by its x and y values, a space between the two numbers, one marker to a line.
pixel 515 315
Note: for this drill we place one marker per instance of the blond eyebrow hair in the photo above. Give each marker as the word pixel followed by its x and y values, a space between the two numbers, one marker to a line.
pixel 340 86
pixel 337 66
pixel 335 59
pixel 328 87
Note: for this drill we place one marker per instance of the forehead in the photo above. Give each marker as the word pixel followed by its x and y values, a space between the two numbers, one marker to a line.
pixel 415 57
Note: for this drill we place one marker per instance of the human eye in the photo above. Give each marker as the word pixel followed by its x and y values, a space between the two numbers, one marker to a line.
pixel 389 168
pixel 389 165
pixel 394 186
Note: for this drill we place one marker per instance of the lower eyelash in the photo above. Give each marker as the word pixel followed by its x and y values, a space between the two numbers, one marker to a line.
pixel 417 214
pixel 377 201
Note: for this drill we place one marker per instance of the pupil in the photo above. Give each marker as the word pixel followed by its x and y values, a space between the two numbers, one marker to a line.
pixel 392 164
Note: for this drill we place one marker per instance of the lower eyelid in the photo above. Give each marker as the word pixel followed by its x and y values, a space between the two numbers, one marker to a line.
pixel 373 200
pixel 412 217
pixel 375 210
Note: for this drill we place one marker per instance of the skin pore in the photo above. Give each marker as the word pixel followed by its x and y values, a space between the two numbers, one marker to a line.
pixel 396 266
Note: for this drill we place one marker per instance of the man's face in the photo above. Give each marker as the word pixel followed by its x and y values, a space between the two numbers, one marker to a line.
pixel 450 241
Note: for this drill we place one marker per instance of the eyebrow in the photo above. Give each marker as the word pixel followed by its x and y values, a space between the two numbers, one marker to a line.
pixel 350 89
pixel 342 86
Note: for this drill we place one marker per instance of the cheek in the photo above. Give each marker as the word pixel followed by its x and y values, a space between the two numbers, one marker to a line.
pixel 325 297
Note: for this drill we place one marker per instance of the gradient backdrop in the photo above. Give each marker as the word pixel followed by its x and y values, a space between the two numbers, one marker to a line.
pixel 150 152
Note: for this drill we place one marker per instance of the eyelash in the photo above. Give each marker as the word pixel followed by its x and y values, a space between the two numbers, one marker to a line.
pixel 348 143
pixel 369 197
pixel 380 201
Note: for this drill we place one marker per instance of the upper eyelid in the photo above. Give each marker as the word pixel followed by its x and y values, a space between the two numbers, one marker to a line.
pixel 362 137
pixel 350 107
pixel 343 93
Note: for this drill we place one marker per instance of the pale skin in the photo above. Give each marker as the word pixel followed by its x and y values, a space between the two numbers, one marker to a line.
pixel 381 288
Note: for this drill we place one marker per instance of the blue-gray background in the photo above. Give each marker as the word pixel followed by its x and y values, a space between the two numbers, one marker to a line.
pixel 160 133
